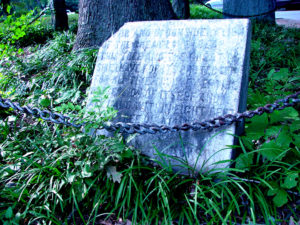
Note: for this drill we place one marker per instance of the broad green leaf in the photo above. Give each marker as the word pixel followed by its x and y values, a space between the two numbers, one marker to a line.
pixel 244 161
pixel 296 140
pixel 9 213
pixel 44 101
pixel 273 131
pixel 272 192
pixel 272 150
pixel 290 181
pixel 71 106
pixel 271 74
pixel 117 147
pixel 295 125
pixel 127 154
pixel 292 79
pixel 282 115
pixel 284 139
pixel 280 198
pixel 247 142
pixel 282 74
pixel 256 128
pixel 280 134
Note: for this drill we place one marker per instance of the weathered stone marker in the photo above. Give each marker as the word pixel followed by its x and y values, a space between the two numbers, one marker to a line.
pixel 175 72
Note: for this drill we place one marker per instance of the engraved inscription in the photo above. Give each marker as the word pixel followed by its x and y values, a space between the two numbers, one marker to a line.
pixel 176 72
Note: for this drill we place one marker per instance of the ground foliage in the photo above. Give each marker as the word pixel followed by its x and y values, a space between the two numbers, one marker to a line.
pixel 50 174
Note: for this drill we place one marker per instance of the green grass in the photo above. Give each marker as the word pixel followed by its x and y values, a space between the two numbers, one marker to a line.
pixel 72 21
pixel 201 12
pixel 50 174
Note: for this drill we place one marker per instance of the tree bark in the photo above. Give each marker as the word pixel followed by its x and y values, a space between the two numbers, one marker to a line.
pixel 249 8
pixel 181 8
pixel 98 20
pixel 60 17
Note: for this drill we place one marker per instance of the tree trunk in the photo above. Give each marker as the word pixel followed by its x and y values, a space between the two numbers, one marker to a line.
pixel 181 8
pixel 249 8
pixel 98 20
pixel 60 17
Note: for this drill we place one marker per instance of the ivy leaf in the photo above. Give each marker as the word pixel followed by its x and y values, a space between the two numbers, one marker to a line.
pixel 290 181
pixel 281 198
pixel 112 172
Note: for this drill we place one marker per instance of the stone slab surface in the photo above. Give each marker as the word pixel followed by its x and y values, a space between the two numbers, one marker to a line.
pixel 176 72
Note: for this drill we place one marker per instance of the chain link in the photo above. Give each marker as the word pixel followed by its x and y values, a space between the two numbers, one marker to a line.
pixel 143 128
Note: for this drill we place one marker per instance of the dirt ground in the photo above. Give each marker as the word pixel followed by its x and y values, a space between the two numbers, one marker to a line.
pixel 288 23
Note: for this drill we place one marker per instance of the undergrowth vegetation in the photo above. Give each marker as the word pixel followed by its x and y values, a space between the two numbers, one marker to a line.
pixel 51 174
pixel 201 12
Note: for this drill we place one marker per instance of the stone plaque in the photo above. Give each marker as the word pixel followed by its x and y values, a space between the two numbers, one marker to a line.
pixel 176 72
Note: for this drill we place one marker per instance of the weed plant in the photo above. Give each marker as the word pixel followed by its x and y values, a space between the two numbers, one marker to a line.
pixel 51 174
pixel 52 72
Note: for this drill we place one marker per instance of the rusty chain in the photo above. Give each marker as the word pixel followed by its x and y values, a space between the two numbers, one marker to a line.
pixel 143 128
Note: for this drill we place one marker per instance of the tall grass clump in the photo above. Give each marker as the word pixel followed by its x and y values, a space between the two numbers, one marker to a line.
pixel 51 70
